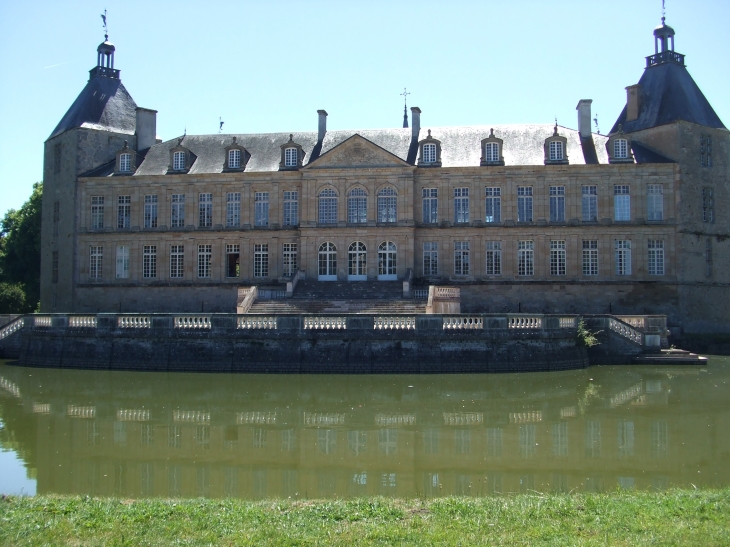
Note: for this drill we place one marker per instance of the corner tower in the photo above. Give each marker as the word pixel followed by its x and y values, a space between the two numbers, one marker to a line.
pixel 94 128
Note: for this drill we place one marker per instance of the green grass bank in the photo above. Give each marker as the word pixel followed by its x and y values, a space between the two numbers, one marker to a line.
pixel 676 517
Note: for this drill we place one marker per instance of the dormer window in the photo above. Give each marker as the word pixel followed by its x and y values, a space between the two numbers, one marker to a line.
pixel 429 153
pixel 555 149
pixel 178 161
pixel 292 155
pixel 430 149
pixel 125 162
pixel 492 150
pixel 619 147
pixel 234 159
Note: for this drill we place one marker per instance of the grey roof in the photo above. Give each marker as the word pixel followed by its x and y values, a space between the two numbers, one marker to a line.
pixel 104 104
pixel 668 93
pixel 460 147
pixel 643 154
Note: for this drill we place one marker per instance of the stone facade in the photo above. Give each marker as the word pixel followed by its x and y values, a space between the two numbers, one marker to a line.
pixel 542 222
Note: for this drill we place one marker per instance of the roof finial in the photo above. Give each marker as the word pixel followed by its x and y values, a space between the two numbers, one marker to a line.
pixel 106 30
pixel 405 107
pixel 664 12
pixel 556 126
pixel 220 122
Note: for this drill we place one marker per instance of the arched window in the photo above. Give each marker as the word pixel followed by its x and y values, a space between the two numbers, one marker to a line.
pixel 429 153
pixel 387 261
pixel 387 205
pixel 328 206
pixel 356 262
pixel 327 260
pixel 620 149
pixel 357 206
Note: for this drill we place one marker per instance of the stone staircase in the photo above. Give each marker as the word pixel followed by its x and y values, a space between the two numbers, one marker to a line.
pixel 335 297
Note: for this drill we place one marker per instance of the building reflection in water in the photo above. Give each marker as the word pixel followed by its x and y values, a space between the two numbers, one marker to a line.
pixel 186 435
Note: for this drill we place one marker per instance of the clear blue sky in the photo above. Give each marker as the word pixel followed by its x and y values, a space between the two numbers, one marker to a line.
pixel 269 65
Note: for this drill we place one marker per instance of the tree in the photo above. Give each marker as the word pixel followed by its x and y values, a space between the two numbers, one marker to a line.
pixel 20 252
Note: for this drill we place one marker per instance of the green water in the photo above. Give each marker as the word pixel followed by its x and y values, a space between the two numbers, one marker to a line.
pixel 134 434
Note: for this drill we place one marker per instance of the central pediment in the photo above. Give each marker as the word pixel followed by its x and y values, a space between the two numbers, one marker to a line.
pixel 356 152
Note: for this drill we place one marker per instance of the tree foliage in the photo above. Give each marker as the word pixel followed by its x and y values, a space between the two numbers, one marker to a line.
pixel 20 254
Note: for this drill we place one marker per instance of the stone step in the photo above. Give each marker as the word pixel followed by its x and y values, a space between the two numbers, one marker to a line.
pixel 291 306
pixel 349 290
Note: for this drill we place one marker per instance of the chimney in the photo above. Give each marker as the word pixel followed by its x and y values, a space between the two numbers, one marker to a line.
pixel 415 122
pixel 584 118
pixel 633 102
pixel 322 125
pixel 146 128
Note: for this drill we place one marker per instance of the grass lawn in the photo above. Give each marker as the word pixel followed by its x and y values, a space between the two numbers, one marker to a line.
pixel 676 517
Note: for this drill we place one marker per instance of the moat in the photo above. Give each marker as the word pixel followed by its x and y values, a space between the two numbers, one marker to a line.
pixel 141 434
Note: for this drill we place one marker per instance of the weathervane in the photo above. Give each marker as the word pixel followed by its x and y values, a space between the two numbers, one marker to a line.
pixel 664 12
pixel 595 121
pixel 106 30
pixel 405 107
pixel 405 97
pixel 221 122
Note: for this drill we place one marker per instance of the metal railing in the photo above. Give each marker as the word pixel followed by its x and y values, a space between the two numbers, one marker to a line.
pixel 665 57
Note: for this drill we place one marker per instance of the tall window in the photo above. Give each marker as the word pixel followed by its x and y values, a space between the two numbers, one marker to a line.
pixel 429 153
pixel 556 150
pixel 621 202
pixel 357 261
pixel 430 258
pixel 708 205
pixel 125 162
pixel 357 206
pixel 327 262
pixel 620 149
pixel 234 159
pixel 149 261
pixel 205 210
pixel 261 208
pixel 328 206
pixel 233 260
pixel 589 203
pixel 387 260
pixel 150 211
pixel 656 257
pixel 290 259
pixel 124 213
pixel 560 439
pixel 590 257
pixel 524 204
pixel 290 157
pixel 493 204
pixel 491 151
pixel 56 217
pixel 205 253
pixel 177 211
pixel 96 254
pixel 706 150
pixel 178 161
pixel 461 205
pixel 461 258
pixel 261 260
pixel 526 257
pixel 655 202
pixel 97 212
pixel 291 208
pixel 54 267
pixel 557 257
pixel 622 253
pixel 233 207
pixel 494 258
pixel 708 257
pixel 387 198
pixel 122 262
pixel 557 204
pixel 430 205
pixel 177 266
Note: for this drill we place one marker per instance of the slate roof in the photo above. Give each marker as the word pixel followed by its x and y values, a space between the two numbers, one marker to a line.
pixel 668 93
pixel 104 104
pixel 460 147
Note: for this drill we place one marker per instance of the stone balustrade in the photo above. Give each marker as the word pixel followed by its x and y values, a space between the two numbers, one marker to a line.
pixel 192 322
pixel 524 322
pixel 394 322
pixel 42 321
pixel 626 331
pixel 448 292
pixel 12 328
pixel 463 322
pixel 256 322
pixel 82 321
pixel 133 322
pixel 325 323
